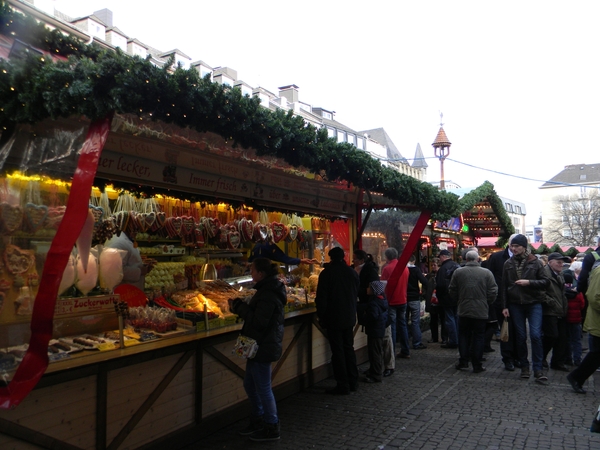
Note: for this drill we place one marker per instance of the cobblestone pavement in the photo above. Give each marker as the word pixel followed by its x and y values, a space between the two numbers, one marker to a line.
pixel 428 404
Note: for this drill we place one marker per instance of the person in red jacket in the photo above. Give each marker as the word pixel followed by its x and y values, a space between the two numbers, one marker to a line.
pixel 574 319
pixel 397 302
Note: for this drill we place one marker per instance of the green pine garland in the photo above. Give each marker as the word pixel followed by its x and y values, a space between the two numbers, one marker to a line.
pixel 93 82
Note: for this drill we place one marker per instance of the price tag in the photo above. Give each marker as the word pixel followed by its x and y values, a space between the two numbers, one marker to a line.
pixel 106 346
pixel 130 342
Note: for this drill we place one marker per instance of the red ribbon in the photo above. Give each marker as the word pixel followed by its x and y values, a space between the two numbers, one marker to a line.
pixel 413 240
pixel 35 361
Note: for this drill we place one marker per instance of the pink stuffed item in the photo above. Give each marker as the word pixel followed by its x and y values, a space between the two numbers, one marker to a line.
pixel 111 267
pixel 84 241
pixel 68 278
pixel 87 280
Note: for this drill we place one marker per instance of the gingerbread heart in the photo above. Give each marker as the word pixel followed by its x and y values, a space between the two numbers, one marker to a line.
pixel 133 225
pixel 55 215
pixel 292 233
pixel 97 212
pixel 173 226
pixel 122 219
pixel 246 229
pixel 223 236
pixel 187 225
pixel 212 226
pixel 233 239
pixel 11 217
pixel 35 216
pixel 279 230
pixel 261 232
pixel 17 260
pixel 146 220
pixel 161 218
pixel 199 233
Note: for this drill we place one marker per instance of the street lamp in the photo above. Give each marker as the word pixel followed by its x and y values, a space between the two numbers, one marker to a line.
pixel 441 148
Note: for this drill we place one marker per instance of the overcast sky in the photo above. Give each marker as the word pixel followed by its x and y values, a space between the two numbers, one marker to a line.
pixel 517 81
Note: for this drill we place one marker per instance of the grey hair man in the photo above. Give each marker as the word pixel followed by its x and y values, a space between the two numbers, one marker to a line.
pixel 475 290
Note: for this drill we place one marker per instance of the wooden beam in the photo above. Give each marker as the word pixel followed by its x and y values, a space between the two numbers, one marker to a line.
pixel 198 384
pixel 143 409
pixel 33 437
pixel 101 407
pixel 316 323
pixel 288 350
pixel 225 361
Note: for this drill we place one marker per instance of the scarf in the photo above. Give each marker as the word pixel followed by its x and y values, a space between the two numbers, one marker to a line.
pixel 521 259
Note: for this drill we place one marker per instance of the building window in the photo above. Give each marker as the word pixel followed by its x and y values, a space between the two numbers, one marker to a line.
pixel 360 143
pixel 583 176
pixel 341 136
pixel 516 221
pixel 350 139
pixel 327 115
pixel 566 233
pixel 508 207
pixel 330 132
pixel 204 71
pixel 518 209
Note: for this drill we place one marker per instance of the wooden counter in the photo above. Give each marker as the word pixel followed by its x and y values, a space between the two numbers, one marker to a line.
pixel 144 395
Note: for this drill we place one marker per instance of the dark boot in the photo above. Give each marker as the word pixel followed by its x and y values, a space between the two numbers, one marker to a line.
pixel 256 424
pixel 269 432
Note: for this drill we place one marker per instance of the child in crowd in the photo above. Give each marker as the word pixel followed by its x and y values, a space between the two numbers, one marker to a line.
pixel 574 318
pixel 373 314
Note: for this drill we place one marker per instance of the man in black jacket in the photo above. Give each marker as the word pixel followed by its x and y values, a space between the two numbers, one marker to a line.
pixel 416 282
pixel 442 282
pixel 496 265
pixel 337 293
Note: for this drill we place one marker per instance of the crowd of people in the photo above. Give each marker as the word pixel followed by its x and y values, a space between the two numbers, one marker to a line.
pixel 467 303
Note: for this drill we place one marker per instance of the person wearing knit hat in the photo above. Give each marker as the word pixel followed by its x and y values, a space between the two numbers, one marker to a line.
pixel 519 239
pixel 523 291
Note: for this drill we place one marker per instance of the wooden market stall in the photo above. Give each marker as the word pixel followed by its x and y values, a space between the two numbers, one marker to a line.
pixel 174 136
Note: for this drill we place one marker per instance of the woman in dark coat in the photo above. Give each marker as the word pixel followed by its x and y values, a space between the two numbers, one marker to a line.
pixel 264 322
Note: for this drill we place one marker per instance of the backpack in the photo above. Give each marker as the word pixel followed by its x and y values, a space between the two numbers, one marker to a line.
pixel 593 290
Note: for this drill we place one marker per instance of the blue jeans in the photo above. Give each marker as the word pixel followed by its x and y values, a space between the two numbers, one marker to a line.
pixel 414 309
pixel 451 325
pixel 531 313
pixel 574 348
pixel 400 330
pixel 257 384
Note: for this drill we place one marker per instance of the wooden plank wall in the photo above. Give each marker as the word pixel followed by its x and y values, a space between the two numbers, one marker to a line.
pixel 67 411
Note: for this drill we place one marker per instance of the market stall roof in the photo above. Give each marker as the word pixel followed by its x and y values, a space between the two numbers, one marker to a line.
pixel 564 248
pixel 484 213
pixel 96 83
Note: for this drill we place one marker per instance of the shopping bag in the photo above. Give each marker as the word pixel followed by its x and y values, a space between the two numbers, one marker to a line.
pixel 245 347
pixel 504 331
